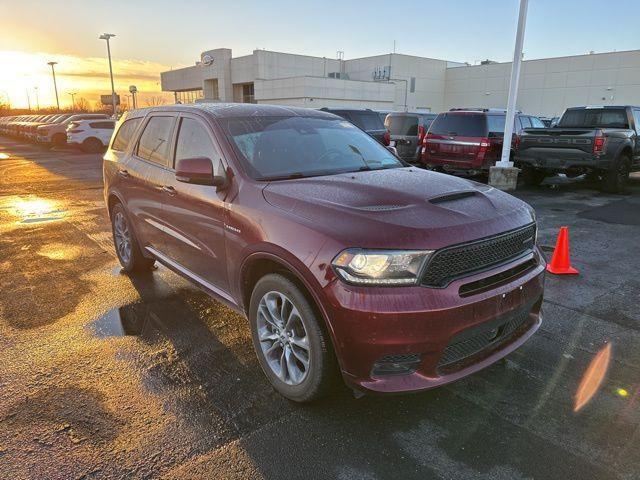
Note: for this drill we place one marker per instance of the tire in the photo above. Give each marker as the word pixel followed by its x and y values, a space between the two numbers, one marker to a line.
pixel 59 139
pixel 532 177
pixel 295 382
pixel 131 257
pixel 615 180
pixel 92 145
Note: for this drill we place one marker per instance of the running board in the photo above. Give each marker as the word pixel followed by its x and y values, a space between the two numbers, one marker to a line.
pixel 188 273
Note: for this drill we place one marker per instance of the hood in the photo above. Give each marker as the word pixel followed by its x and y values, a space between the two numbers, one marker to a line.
pixel 399 208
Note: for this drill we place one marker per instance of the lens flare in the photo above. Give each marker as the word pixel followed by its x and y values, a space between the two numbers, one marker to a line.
pixel 592 378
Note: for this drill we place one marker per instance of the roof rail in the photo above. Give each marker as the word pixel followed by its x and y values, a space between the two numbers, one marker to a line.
pixel 497 110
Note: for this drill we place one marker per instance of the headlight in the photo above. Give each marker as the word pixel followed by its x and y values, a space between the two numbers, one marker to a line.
pixel 380 267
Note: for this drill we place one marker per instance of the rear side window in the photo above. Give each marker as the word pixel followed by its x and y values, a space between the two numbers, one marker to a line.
pixel 367 121
pixel 155 140
pixel 591 118
pixel 402 124
pixel 125 132
pixel 102 125
pixel 464 125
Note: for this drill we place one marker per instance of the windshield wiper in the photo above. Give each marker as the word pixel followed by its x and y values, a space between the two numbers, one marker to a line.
pixel 288 176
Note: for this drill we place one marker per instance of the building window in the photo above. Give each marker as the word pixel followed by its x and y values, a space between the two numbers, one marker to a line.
pixel 248 93
pixel 189 96
pixel 412 85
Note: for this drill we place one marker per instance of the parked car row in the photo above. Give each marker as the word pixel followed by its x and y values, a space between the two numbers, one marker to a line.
pixel 89 131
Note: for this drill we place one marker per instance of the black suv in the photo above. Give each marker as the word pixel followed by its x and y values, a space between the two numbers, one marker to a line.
pixel 365 119
pixel 407 130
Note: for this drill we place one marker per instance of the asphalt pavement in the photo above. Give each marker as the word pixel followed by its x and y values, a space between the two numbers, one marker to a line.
pixel 104 375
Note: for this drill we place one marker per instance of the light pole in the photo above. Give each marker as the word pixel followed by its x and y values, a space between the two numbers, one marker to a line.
pixel 107 36
pixel 28 99
pixel 73 103
pixel 504 175
pixel 37 99
pixel 55 85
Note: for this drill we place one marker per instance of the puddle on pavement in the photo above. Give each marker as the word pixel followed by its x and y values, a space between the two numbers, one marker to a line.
pixel 33 209
pixel 123 321
pixel 60 251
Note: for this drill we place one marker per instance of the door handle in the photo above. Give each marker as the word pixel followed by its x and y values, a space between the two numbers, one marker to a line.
pixel 168 189
pixel 123 173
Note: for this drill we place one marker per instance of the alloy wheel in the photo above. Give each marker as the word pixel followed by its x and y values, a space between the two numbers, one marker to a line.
pixel 122 237
pixel 283 338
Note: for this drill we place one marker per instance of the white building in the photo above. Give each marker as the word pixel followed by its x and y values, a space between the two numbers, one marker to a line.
pixel 405 82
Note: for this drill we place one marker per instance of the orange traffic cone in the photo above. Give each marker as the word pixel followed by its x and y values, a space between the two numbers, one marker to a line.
pixel 560 263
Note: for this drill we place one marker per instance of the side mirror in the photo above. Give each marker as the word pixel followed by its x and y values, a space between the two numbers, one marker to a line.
pixel 198 171
pixel 393 150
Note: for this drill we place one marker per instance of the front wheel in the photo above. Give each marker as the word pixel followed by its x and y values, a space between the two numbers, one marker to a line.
pixel 293 348
pixel 127 247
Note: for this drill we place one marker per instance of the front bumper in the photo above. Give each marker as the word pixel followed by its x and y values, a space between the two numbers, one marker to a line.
pixel 431 325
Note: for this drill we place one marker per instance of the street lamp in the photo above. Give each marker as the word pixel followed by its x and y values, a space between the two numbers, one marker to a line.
pixel 73 103
pixel 107 36
pixel 38 99
pixel 55 86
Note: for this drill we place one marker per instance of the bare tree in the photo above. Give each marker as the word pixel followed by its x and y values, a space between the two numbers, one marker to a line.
pixel 82 105
pixel 155 101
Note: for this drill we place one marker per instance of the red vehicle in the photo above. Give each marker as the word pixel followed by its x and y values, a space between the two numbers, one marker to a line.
pixel 469 141
pixel 343 258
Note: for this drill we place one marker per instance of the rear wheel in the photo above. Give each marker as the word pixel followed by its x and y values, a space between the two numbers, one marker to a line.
pixel 532 176
pixel 92 145
pixel 59 139
pixel 615 179
pixel 293 348
pixel 127 247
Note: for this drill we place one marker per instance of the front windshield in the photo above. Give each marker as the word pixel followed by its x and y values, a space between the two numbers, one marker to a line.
pixel 288 147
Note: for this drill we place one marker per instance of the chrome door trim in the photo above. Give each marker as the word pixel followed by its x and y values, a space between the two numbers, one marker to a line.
pixel 453 142
pixel 172 232
pixel 196 278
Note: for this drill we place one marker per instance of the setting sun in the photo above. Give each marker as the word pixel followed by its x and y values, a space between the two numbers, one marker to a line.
pixel 26 79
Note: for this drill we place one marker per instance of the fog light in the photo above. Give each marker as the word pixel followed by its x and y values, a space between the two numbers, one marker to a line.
pixel 396 364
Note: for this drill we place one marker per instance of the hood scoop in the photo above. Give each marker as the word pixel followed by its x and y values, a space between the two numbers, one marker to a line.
pixel 380 208
pixel 450 197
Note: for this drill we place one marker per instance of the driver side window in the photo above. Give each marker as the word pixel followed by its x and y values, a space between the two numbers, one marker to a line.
pixel 194 141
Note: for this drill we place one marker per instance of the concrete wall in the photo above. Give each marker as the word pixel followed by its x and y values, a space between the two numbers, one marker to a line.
pixel 270 65
pixel 548 86
pixel 429 75
pixel 318 92
pixel 189 78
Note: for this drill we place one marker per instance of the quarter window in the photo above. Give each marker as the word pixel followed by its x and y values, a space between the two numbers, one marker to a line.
pixel 155 140
pixel 125 132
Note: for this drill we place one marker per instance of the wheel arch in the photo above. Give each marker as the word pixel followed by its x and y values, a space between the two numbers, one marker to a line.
pixel 258 264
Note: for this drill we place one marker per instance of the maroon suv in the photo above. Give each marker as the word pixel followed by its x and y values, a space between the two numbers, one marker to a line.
pixel 343 258
pixel 469 141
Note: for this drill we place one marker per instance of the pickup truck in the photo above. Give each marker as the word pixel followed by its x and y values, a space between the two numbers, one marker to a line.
pixel 603 142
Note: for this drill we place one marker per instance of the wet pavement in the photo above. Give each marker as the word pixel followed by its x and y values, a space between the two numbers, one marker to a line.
pixel 103 375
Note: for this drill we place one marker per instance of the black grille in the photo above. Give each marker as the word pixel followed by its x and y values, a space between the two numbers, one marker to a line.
pixel 490 336
pixel 464 259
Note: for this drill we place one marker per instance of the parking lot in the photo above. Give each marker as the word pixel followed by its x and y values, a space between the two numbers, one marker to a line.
pixel 105 375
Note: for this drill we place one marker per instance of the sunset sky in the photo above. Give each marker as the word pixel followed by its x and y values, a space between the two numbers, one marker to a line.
pixel 153 36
